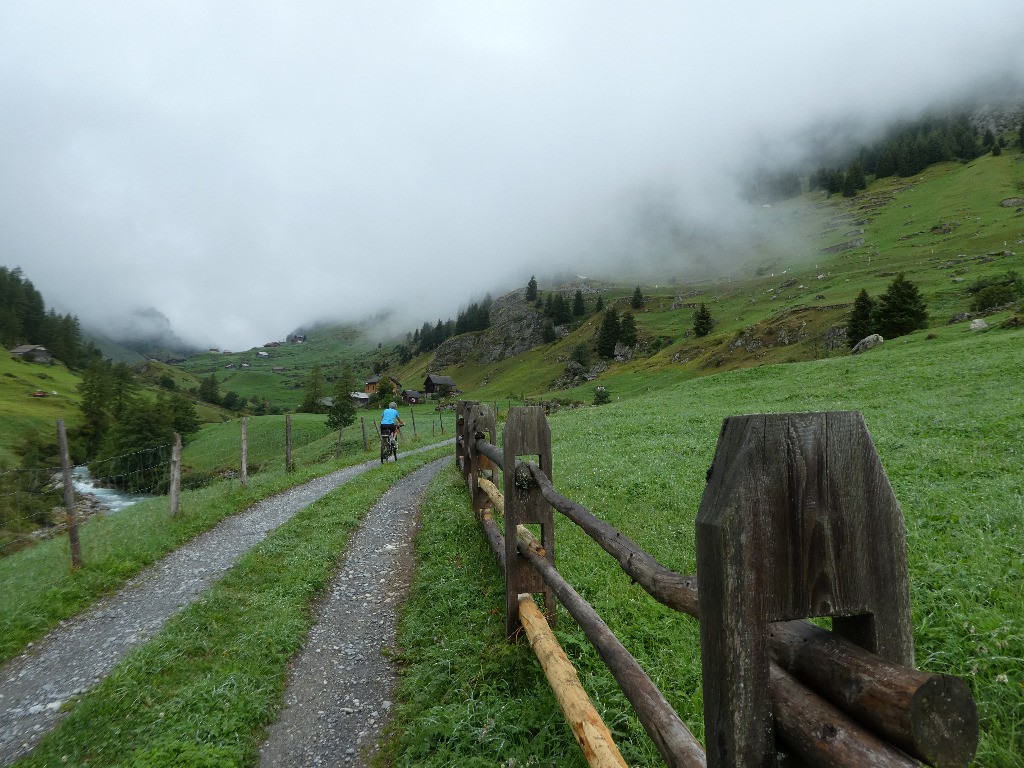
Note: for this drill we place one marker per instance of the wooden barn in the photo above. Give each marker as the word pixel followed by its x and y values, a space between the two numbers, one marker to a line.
pixel 435 384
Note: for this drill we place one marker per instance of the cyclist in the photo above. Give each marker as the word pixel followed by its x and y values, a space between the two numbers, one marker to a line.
pixel 390 421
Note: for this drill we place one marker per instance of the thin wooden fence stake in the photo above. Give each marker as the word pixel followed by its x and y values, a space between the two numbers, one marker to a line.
pixel 288 465
pixel 175 474
pixel 412 413
pixel 244 474
pixel 363 420
pixel 69 497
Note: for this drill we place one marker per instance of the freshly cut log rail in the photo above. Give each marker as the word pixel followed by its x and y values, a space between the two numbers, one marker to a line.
pixel 870 700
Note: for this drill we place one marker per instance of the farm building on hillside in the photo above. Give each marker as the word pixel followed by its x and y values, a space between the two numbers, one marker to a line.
pixel 33 353
pixel 373 383
pixel 411 396
pixel 442 385
pixel 359 398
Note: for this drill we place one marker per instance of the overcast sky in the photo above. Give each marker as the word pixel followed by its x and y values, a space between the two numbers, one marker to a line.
pixel 247 167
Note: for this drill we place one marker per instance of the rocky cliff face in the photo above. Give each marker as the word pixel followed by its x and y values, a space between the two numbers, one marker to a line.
pixel 516 327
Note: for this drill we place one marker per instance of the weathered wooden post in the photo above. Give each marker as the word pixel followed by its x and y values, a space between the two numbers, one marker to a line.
pixel 479 422
pixel 412 415
pixel 526 434
pixel 797 520
pixel 175 489
pixel 363 420
pixel 289 465
pixel 244 474
pixel 69 497
pixel 461 436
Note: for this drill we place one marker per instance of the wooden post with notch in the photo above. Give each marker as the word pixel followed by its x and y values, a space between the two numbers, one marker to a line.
pixel 797 520
pixel 526 434
pixel 461 451
pixel 479 423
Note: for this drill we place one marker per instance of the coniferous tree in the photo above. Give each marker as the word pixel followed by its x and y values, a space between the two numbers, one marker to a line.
pixel 637 302
pixel 900 310
pixel 627 329
pixel 702 320
pixel 548 334
pixel 314 392
pixel 343 410
pixel 531 289
pixel 608 334
pixel 579 307
pixel 599 306
pixel 860 323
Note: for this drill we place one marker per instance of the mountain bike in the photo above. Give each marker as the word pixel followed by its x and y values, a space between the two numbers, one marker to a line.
pixel 388 446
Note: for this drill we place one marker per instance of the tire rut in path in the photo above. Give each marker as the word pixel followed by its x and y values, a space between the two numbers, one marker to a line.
pixel 340 685
pixel 83 650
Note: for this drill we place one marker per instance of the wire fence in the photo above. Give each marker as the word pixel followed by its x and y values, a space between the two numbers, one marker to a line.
pixel 32 504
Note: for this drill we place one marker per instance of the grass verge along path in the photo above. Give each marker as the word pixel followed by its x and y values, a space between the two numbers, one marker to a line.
pixel 201 692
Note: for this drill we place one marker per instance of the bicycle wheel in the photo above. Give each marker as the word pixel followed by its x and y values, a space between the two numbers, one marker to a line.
pixel 385 450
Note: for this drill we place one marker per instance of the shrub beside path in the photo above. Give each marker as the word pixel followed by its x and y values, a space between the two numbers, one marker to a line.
pixel 83 650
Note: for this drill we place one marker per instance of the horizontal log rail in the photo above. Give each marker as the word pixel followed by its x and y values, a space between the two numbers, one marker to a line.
pixel 932 717
pixel 591 733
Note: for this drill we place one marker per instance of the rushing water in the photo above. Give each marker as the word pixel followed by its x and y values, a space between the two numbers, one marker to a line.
pixel 111 499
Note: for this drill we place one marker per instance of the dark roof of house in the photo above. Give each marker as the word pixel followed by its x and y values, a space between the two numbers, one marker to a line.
pixel 435 379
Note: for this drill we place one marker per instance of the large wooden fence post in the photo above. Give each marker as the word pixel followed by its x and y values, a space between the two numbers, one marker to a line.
pixel 526 434
pixel 69 496
pixel 366 446
pixel 797 520
pixel 175 490
pixel 244 474
pixel 462 437
pixel 480 422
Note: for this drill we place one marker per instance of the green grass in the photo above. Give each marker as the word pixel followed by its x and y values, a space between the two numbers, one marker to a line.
pixel 945 419
pixel 40 590
pixel 202 691
pixel 22 413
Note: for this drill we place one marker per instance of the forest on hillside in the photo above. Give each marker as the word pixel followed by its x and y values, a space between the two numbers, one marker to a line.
pixel 24 319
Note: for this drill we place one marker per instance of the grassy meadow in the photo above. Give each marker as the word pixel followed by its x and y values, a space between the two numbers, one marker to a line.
pixel 945 414
pixel 23 413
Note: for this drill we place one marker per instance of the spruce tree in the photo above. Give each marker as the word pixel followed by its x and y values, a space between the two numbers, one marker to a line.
pixel 637 302
pixel 900 310
pixel 531 289
pixel 314 392
pixel 702 320
pixel 599 306
pixel 860 324
pixel 608 334
pixel 579 307
pixel 627 329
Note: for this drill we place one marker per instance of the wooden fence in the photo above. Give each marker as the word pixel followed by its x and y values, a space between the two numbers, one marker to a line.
pixel 797 520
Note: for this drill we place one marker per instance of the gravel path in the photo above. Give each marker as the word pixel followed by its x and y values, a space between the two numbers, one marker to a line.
pixel 340 685
pixel 82 651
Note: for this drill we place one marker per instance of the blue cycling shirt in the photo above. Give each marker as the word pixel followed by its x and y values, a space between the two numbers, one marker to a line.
pixel 390 414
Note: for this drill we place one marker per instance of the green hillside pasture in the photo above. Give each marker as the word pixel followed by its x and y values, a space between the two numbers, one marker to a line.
pixel 22 413
pixel 202 692
pixel 945 419
pixel 329 347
